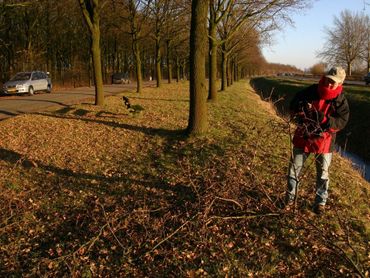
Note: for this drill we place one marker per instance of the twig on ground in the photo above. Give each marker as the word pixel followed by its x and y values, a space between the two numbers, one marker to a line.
pixel 89 243
pixel 230 200
pixel 348 240
pixel 208 209
pixel 260 185
pixel 171 235
pixel 241 217
pixel 110 228
pixel 335 248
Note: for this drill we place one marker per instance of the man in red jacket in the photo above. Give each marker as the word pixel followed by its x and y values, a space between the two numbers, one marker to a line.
pixel 320 111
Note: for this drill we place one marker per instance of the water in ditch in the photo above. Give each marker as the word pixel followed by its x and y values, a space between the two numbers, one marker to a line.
pixel 357 162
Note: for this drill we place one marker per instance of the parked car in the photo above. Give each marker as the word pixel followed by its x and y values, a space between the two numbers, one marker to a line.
pixel 120 78
pixel 28 83
pixel 367 78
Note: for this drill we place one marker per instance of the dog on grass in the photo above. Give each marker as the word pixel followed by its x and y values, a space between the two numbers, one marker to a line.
pixel 126 102
pixel 134 109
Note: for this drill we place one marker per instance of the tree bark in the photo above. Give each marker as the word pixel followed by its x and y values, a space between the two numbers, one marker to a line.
pixel 349 68
pixel 158 62
pixel 96 58
pixel 178 66
pixel 212 89
pixel 232 72
pixel 183 70
pixel 139 77
pixel 198 122
pixel 228 73
pixel 224 69
pixel 169 61
pixel 90 10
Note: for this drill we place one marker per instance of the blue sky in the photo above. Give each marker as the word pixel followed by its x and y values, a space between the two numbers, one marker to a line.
pixel 298 45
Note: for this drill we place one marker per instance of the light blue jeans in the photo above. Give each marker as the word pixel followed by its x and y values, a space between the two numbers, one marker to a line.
pixel 322 162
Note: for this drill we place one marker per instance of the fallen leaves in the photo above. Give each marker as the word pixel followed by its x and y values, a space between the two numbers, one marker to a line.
pixel 106 193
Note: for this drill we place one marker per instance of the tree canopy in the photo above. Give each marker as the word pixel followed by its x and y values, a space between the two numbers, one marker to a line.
pixel 347 41
pixel 86 41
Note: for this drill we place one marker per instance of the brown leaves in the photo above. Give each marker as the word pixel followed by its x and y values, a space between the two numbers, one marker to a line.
pixel 104 193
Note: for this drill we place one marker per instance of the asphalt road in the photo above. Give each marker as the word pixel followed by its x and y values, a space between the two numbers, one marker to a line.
pixel 20 104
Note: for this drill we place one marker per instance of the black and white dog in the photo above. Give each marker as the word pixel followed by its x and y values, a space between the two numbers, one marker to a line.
pixel 126 102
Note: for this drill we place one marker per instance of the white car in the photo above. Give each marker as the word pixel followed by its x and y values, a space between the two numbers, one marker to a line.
pixel 28 82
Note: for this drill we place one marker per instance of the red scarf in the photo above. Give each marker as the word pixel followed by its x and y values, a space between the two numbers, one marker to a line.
pixel 327 93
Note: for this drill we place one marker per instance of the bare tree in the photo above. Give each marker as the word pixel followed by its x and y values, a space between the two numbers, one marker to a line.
pixel 91 13
pixel 54 40
pixel 176 33
pixel 180 52
pixel 262 15
pixel 160 10
pixel 198 122
pixel 366 45
pixel 246 48
pixel 318 69
pixel 136 11
pixel 125 40
pixel 217 11
pixel 345 40
pixel 163 13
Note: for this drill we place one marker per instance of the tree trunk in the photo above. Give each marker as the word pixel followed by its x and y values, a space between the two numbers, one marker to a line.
pixel 48 35
pixel 228 73
pixel 91 15
pixel 139 77
pixel 169 61
pixel 169 73
pixel 158 63
pixel 184 71
pixel 96 57
pixel 178 69
pixel 349 69
pixel 212 89
pixel 198 122
pixel 224 71
pixel 232 72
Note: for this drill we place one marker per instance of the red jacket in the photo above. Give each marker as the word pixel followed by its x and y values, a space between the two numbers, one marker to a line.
pixel 318 120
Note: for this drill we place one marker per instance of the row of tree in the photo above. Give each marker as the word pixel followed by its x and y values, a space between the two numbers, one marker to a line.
pixel 235 26
pixel 146 38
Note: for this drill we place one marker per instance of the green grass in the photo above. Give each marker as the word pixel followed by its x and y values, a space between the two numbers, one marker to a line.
pixel 101 191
